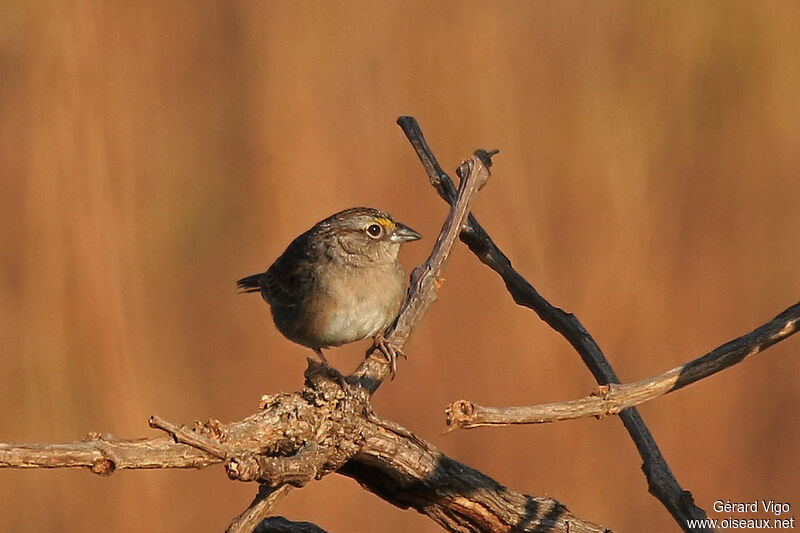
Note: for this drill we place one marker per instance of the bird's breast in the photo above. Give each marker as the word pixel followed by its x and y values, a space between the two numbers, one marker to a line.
pixel 355 302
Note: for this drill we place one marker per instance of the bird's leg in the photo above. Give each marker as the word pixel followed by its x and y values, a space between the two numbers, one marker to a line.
pixel 388 350
pixel 318 351
pixel 339 376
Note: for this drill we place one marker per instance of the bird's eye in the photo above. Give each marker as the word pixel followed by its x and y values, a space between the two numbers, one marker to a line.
pixel 374 231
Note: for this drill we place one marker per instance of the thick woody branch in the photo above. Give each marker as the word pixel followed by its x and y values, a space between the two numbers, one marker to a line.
pixel 104 454
pixel 612 399
pixel 262 433
pixel 410 473
pixel 384 457
pixel 661 482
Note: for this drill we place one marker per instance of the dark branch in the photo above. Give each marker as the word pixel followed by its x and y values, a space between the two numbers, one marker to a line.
pixel 611 399
pixel 661 482
pixel 410 473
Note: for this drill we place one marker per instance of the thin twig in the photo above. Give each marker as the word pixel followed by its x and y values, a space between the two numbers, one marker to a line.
pixel 661 482
pixel 611 399
pixel 184 435
pixel 424 279
pixel 258 510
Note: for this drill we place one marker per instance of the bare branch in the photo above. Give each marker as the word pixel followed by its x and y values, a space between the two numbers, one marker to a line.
pixel 104 454
pixel 611 399
pixel 661 482
pixel 258 510
pixel 381 455
pixel 409 472
pixel 186 436
pixel 424 279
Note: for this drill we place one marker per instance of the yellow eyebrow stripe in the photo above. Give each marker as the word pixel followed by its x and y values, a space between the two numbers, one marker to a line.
pixel 385 222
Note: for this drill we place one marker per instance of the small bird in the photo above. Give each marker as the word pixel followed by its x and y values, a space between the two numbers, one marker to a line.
pixel 338 282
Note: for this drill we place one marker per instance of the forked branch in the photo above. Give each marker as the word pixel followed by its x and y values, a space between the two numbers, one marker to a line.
pixel 612 399
pixel 661 482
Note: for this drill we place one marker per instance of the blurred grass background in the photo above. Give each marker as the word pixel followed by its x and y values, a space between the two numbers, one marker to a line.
pixel 151 153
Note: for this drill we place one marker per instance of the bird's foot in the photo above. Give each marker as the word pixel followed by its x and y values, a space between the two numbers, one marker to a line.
pixel 339 376
pixel 387 349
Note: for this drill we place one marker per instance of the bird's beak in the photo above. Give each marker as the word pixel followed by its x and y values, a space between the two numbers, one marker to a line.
pixel 403 233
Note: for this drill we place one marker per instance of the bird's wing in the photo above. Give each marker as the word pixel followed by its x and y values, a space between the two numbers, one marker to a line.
pixel 285 282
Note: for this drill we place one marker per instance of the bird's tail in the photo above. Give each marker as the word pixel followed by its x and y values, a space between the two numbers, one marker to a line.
pixel 249 284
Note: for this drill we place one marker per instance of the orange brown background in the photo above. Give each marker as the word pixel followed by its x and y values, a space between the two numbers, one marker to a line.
pixel 151 153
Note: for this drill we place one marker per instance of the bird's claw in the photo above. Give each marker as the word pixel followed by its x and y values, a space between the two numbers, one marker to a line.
pixel 339 376
pixel 391 352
